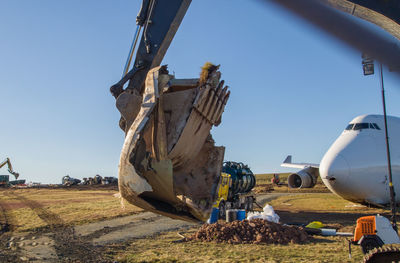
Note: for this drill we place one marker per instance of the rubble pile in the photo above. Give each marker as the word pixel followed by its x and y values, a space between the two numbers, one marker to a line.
pixel 257 231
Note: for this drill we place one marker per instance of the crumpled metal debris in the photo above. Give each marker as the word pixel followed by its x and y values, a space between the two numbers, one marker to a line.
pixel 169 163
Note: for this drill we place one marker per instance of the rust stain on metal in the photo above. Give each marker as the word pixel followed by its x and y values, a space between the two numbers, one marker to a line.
pixel 169 163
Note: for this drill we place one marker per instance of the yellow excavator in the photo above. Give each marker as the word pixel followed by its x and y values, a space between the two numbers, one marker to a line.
pixel 234 191
pixel 4 179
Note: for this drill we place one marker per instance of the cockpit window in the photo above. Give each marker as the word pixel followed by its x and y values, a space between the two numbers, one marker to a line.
pixel 349 127
pixel 360 126
pixel 376 126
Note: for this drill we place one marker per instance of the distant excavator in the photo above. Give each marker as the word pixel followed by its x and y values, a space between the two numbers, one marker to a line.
pixel 10 168
pixel 5 179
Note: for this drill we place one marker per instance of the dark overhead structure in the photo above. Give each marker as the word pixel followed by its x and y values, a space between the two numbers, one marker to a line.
pixel 384 13
pixel 324 15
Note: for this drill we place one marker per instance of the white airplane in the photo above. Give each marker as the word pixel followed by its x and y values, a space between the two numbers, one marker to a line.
pixel 355 166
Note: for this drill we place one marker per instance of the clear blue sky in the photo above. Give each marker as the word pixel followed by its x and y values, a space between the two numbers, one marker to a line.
pixel 293 88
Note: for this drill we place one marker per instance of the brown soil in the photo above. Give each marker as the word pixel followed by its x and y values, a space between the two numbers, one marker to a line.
pixel 256 231
pixel 74 187
pixel 59 241
pixel 68 246
pixel 20 204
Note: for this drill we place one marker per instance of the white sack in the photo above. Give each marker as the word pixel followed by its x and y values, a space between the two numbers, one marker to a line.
pixel 268 214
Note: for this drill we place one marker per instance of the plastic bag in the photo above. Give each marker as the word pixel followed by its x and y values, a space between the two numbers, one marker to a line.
pixel 268 214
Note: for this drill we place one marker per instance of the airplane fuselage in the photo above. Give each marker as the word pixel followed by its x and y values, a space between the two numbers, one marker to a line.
pixel 355 167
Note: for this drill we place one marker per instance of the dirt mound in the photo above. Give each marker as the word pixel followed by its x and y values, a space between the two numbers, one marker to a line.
pixel 263 188
pixel 257 231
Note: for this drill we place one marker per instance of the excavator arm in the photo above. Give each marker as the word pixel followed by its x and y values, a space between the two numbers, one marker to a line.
pixel 384 13
pixel 169 163
pixel 10 168
pixel 158 21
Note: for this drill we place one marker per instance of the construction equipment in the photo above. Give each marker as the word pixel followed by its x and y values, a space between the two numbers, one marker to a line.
pixel 85 181
pixel 10 168
pixel 5 179
pixel 373 232
pixel 68 181
pixel 236 182
pixel 97 179
pixel 168 163
pixel 109 180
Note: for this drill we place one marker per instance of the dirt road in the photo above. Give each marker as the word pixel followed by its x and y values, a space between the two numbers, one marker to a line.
pixel 62 242
pixel 86 243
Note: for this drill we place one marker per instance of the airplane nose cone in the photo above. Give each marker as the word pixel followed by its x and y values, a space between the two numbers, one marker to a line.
pixel 334 170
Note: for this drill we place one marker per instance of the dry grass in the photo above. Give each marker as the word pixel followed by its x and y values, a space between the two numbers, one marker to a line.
pixel 162 249
pixel 72 206
pixel 266 178
pixel 303 207
pixel 29 209
pixel 321 202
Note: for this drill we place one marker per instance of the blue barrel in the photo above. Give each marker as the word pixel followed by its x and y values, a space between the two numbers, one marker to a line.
pixel 214 216
pixel 241 214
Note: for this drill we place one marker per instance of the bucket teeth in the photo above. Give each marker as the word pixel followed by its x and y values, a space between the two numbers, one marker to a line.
pixel 169 164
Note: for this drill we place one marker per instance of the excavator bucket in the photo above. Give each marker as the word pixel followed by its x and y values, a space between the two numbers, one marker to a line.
pixel 16 175
pixel 10 168
pixel 169 163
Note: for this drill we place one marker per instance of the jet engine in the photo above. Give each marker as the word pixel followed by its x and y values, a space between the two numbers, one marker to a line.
pixel 305 178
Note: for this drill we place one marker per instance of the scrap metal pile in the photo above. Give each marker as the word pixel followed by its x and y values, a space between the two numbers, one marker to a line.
pixel 97 179
pixel 257 231
pixel 169 164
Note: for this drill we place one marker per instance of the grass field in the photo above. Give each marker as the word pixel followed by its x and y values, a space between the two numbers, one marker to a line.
pixel 321 202
pixel 330 209
pixel 266 178
pixel 29 209
pixel 162 249
pixel 33 209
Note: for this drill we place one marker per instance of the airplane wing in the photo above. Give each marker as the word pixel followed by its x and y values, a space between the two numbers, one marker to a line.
pixel 288 163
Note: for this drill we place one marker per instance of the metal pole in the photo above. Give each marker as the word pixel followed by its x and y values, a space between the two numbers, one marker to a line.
pixel 391 188
pixel 131 51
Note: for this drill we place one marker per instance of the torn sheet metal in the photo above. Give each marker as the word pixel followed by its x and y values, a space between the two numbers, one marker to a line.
pixel 169 163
